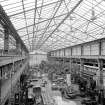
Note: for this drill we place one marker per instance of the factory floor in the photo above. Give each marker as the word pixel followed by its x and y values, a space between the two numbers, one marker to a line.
pixel 57 98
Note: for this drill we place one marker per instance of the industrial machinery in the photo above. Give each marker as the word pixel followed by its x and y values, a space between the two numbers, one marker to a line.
pixel 37 96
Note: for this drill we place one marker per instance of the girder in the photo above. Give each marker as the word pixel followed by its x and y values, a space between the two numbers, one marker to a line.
pixel 43 21
pixel 36 21
pixel 62 21
pixel 33 9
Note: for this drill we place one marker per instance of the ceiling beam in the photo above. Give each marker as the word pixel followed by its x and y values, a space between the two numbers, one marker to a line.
pixel 43 21
pixel 89 20
pixel 25 21
pixel 50 20
pixel 69 13
pixel 34 27
pixel 33 9
pixel 81 31
pixel 35 31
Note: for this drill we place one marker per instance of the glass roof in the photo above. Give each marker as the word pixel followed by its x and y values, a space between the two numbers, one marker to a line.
pixel 52 24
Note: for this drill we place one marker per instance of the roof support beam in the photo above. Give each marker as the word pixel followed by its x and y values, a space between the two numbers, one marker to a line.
pixel 33 9
pixel 50 21
pixel 34 26
pixel 72 36
pixel 53 47
pixel 82 31
pixel 36 31
pixel 43 21
pixel 61 22
pixel 26 22
pixel 54 38
pixel 53 43
pixel 89 20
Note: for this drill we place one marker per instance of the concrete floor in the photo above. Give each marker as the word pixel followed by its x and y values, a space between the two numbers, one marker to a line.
pixel 56 97
pixel 60 101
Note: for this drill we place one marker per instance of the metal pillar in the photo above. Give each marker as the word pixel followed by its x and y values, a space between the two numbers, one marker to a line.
pixel 70 65
pixel 6 40
pixel 81 66
pixel 0 82
pixel 20 49
pixel 17 47
pixel 100 68
pixel 100 83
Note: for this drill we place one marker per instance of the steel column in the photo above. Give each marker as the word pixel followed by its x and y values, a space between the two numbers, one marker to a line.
pixel 0 82
pixel 100 79
pixel 6 40
pixel 81 50
pixel 17 46
pixel 100 47
pixel 81 66
pixel 70 65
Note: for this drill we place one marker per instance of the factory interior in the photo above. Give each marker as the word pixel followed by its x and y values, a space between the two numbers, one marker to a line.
pixel 52 52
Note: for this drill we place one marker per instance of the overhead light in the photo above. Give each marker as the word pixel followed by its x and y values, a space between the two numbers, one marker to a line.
pixel 93 16
pixel 71 29
pixel 92 19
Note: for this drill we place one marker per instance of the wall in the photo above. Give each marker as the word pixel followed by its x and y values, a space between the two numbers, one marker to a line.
pixel 36 59
pixel 92 48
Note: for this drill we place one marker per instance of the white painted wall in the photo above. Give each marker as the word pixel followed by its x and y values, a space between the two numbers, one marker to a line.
pixel 37 58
